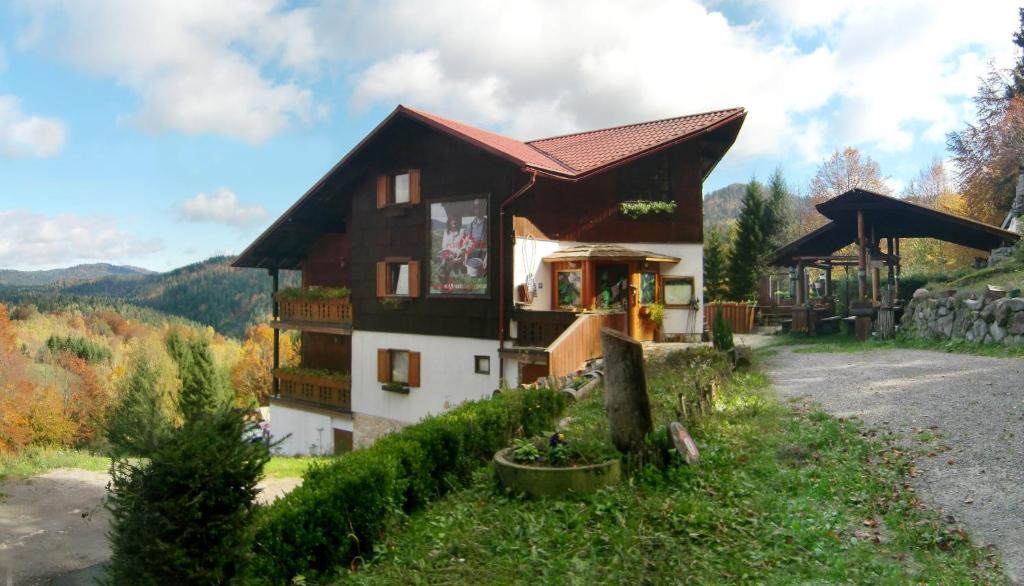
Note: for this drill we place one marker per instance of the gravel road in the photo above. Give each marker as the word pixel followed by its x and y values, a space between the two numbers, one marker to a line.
pixel 55 522
pixel 971 405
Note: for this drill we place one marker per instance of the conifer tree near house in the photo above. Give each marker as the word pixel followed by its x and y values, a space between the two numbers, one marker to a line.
pixel 714 266
pixel 202 389
pixel 778 211
pixel 1016 88
pixel 136 424
pixel 748 250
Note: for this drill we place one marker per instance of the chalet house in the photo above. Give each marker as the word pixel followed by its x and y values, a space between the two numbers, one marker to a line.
pixel 475 261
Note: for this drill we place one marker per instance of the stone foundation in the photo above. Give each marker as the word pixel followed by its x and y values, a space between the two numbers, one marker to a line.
pixel 367 429
pixel 981 320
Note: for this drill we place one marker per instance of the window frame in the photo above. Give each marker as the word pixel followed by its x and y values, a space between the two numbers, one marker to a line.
pixel 558 301
pixel 385 283
pixel 386 188
pixel 666 280
pixel 385 369
pixel 477 369
pixel 658 294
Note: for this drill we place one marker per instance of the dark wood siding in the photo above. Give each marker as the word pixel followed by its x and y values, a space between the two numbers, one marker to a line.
pixel 329 351
pixel 327 264
pixel 448 168
pixel 588 211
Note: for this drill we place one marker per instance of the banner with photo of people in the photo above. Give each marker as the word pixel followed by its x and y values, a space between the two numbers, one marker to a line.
pixel 458 247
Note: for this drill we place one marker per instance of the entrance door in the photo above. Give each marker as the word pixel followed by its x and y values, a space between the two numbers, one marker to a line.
pixel 611 287
pixel 645 293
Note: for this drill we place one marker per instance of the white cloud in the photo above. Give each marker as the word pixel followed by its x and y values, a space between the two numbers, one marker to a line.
pixel 222 207
pixel 26 136
pixel 32 239
pixel 813 74
pixel 198 67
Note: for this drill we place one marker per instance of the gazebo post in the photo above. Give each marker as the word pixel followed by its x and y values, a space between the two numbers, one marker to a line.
pixel 862 265
pixel 899 265
pixel 889 246
pixel 875 277
pixel 828 279
pixel 801 291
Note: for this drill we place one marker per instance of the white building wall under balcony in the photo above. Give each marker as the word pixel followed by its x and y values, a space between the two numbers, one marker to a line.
pixel 305 431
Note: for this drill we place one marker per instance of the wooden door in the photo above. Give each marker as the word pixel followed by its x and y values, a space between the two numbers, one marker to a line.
pixel 645 290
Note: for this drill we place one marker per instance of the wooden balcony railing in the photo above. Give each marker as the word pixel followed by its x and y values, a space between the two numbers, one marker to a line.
pixel 539 329
pixel 581 342
pixel 324 311
pixel 323 390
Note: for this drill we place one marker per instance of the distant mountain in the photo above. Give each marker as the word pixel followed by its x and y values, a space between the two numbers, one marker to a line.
pixel 211 292
pixel 77 273
pixel 722 206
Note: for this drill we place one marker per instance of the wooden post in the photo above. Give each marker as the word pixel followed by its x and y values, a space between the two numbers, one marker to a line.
pixel 899 265
pixel 890 248
pixel 874 282
pixel 828 280
pixel 276 311
pixel 862 264
pixel 625 391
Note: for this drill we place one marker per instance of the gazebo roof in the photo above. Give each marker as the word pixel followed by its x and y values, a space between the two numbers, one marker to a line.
pixel 890 217
pixel 606 252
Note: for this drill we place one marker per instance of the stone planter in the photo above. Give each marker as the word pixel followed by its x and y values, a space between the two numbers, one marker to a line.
pixel 543 481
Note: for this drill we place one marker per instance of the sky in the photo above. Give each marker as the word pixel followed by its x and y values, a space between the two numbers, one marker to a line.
pixel 163 132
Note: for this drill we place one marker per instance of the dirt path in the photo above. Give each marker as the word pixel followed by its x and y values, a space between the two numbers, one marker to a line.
pixel 55 523
pixel 964 415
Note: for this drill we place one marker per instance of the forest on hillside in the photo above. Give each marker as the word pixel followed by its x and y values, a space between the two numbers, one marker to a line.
pixel 65 371
pixel 211 293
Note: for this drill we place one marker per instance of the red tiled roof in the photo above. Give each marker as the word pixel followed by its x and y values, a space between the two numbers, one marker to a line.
pixel 586 151
pixel 577 154
pixel 510 147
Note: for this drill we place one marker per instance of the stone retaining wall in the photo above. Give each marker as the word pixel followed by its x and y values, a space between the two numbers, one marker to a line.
pixel 982 320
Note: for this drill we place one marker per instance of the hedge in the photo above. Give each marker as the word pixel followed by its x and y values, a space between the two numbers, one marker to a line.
pixel 342 507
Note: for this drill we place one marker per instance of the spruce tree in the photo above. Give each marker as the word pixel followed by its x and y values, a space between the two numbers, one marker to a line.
pixel 1016 88
pixel 136 423
pixel 202 388
pixel 747 254
pixel 714 266
pixel 778 212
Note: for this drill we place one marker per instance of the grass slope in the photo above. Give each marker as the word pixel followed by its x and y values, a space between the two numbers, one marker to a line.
pixel 784 495
pixel 831 343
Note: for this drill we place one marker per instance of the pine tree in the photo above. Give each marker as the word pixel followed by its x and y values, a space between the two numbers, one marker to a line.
pixel 1016 88
pixel 747 255
pixel 202 388
pixel 778 210
pixel 136 424
pixel 714 266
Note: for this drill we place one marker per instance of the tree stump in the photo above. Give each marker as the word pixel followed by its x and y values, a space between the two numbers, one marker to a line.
pixel 625 391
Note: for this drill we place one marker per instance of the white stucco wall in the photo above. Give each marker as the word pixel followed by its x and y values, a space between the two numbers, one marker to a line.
pixel 311 431
pixel 691 264
pixel 447 376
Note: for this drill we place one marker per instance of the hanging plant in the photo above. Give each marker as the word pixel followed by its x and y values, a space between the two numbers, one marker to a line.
pixel 392 303
pixel 636 209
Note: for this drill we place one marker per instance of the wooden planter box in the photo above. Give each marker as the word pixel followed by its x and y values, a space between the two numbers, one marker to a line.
pixel 328 311
pixel 315 389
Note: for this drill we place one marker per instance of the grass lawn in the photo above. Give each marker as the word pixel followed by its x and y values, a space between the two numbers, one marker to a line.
pixel 36 460
pixel 847 343
pixel 784 495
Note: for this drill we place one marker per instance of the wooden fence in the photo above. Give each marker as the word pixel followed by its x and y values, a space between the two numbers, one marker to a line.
pixel 581 342
pixel 739 315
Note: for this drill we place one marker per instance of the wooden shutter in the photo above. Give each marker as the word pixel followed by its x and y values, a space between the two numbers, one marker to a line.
pixel 414 186
pixel 383 365
pixel 382 191
pixel 414 278
pixel 382 279
pixel 414 369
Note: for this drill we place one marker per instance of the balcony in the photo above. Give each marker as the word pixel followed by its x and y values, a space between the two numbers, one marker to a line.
pixel 322 388
pixel 323 310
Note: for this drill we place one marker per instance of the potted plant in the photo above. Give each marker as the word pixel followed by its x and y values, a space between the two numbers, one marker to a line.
pixel 553 466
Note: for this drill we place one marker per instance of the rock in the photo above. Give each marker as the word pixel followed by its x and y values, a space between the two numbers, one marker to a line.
pixel 987 313
pixel 1000 254
pixel 946 325
pixel 975 304
pixel 943 310
pixel 979 329
pixel 921 293
pixel 741 356
pixel 1016 304
pixel 997 332
pixel 1001 308
pixel 1015 325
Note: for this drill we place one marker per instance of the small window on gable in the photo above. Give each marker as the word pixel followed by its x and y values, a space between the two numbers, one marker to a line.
pixel 482 364
pixel 402 187
pixel 398 278
pixel 678 291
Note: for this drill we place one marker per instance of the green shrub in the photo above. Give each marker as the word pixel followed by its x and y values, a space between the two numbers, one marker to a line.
pixel 87 350
pixel 343 507
pixel 185 516
pixel 312 293
pixel 721 333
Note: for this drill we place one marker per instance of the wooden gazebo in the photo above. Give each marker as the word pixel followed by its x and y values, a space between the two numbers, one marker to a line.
pixel 868 219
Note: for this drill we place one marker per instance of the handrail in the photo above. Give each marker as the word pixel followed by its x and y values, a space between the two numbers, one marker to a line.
pixel 330 311
pixel 581 342
pixel 322 390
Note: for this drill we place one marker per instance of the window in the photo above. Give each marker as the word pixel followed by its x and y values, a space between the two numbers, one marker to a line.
pixel 570 288
pixel 482 364
pixel 402 187
pixel 647 179
pixel 398 278
pixel 648 288
pixel 678 291
pixel 398 368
